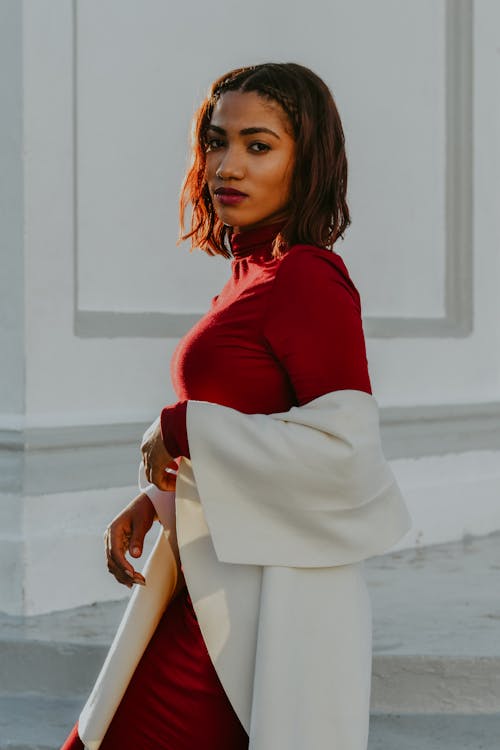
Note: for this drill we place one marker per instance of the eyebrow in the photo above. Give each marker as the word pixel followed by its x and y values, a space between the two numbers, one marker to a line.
pixel 245 131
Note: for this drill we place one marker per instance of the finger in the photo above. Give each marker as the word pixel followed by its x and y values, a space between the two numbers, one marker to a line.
pixel 136 541
pixel 124 579
pixel 118 541
pixel 150 432
pixel 116 571
pixel 160 478
pixel 123 576
pixel 147 467
pixel 107 545
pixel 119 575
pixel 166 482
pixel 171 482
pixel 122 565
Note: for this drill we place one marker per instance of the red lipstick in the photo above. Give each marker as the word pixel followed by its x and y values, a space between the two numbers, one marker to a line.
pixel 229 196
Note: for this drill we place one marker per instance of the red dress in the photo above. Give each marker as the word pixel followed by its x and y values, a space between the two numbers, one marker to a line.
pixel 280 333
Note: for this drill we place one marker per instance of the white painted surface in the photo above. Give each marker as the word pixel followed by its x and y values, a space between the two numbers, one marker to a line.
pixel 450 496
pixel 132 155
pixel 11 211
pixel 396 259
pixel 70 375
pixel 59 551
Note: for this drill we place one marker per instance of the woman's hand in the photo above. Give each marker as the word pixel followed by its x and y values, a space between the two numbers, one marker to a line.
pixel 156 459
pixel 126 533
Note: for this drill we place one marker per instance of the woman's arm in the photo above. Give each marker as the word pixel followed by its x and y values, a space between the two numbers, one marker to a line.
pixel 126 533
pixel 128 529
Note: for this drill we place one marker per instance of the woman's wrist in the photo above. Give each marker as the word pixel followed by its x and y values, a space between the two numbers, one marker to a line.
pixel 147 505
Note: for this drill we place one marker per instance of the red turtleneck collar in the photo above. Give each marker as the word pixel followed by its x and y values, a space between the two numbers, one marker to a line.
pixel 259 240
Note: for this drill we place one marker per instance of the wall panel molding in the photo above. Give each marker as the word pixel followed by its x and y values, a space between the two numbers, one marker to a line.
pixel 458 292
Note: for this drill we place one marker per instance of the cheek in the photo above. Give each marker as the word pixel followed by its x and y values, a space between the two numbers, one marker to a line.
pixel 276 175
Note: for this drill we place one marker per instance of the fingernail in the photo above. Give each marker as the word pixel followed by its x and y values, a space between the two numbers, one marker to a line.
pixel 129 574
pixel 136 551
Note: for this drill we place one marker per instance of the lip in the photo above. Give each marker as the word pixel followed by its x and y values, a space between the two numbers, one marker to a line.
pixel 228 191
pixel 229 196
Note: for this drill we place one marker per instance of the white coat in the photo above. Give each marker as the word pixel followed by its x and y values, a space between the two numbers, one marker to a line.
pixel 274 517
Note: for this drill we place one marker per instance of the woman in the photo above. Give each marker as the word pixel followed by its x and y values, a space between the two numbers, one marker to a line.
pixel 282 489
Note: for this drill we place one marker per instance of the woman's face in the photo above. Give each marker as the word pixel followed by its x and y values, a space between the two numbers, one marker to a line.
pixel 250 157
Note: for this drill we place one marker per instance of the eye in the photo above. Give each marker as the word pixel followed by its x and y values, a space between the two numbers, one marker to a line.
pixel 259 148
pixel 213 143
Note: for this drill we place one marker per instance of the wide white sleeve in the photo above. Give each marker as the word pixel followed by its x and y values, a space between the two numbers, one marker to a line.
pixel 306 488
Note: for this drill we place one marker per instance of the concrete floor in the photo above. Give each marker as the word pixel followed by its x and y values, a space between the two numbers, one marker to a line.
pixel 436 679
pixel 442 599
pixel 35 723
pixel 438 600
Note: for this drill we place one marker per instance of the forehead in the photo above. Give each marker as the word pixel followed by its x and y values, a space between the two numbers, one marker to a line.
pixel 237 110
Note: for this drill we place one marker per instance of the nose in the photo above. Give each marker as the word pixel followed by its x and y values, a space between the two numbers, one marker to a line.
pixel 230 166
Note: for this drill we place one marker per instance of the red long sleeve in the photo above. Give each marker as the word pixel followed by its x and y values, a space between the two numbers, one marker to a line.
pixel 280 333
pixel 313 325
pixel 173 429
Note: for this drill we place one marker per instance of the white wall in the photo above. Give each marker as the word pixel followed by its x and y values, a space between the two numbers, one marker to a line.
pixel 134 141
pixel 133 103
pixel 105 127
pixel 11 210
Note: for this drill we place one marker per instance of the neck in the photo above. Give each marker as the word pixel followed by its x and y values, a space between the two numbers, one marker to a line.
pixel 261 238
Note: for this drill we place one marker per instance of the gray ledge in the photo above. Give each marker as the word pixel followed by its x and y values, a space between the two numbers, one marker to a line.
pixel 104 324
pixel 70 459
pixel 412 432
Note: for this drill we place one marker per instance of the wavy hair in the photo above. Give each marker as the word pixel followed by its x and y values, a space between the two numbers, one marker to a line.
pixel 318 212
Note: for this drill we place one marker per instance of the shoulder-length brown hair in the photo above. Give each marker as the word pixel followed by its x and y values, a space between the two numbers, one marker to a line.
pixel 318 212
